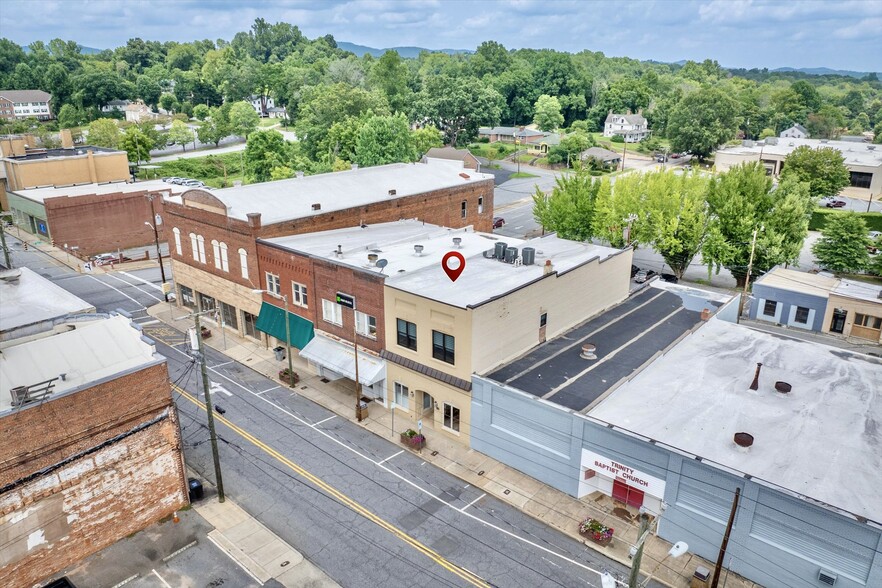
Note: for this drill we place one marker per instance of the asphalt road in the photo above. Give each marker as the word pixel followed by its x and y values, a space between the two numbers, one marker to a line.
pixel 358 506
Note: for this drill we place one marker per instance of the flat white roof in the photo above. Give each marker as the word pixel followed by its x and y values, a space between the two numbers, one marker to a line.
pixel 820 440
pixel 40 194
pixel 33 299
pixel 796 281
pixel 482 280
pixel 294 198
pixel 859 290
pixel 93 351
pixel 853 152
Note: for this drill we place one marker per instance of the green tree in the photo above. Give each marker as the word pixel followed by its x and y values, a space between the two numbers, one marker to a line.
pixel 569 209
pixel 702 121
pixel 201 111
pixel 216 127
pixel 860 123
pixel 168 102
pixel 243 119
pixel 70 116
pixel 342 139
pixel 741 201
pixel 390 75
pixel 266 151
pixel 322 106
pixel 842 247
pixel 547 114
pixel 491 58
pixel 384 139
pixel 180 133
pixel 148 90
pixel 822 169
pixel 458 105
pixel 97 88
pixel 424 139
pixel 104 132
pixel 136 144
pixel 570 148
pixel 877 133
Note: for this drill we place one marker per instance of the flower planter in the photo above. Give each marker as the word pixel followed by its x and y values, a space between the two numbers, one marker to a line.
pixel 287 379
pixel 413 439
pixel 205 333
pixel 596 532
pixel 603 541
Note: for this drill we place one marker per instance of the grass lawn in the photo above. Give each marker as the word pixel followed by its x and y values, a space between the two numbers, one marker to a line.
pixel 522 175
pixel 268 122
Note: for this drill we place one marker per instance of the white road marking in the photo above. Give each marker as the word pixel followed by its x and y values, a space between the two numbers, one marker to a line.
pixel 178 552
pixel 412 483
pixel 216 387
pixel 140 307
pixel 518 228
pixel 161 579
pixel 223 364
pixel 142 280
pixel 268 390
pixel 551 562
pixel 158 299
pixel 323 421
pixel 126 581
pixel 391 456
pixel 238 563
pixel 473 502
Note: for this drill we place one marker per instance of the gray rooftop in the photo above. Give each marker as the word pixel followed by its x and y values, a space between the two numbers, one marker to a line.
pixel 26 95
pixel 601 154
pixel 40 194
pixel 294 198
pixel 29 299
pixel 634 119
pixel 854 153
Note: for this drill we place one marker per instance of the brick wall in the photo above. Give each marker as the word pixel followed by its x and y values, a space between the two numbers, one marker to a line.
pixel 99 224
pixel 49 432
pixel 57 519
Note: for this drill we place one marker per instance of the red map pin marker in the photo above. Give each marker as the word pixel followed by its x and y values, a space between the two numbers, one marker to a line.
pixel 453 272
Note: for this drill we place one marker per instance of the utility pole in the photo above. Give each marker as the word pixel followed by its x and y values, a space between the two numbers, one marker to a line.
pixel 155 228
pixel 3 242
pixel 870 203
pixel 719 566
pixel 642 535
pixel 747 278
pixel 357 381
pixel 206 389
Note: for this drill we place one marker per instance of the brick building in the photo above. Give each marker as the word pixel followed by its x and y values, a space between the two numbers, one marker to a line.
pixel 213 235
pixel 94 218
pixel 77 479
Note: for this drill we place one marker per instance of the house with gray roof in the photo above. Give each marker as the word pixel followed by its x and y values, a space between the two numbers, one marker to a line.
pixel 797 131
pixel 18 104
pixel 510 134
pixel 633 127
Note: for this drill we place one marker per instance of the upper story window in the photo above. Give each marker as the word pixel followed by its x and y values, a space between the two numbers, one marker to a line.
pixel 300 294
pixel 480 204
pixel 215 252
pixel 332 312
pixel 462 209
pixel 365 324
pixel 273 284
pixel 194 243
pixel 443 347
pixel 224 260
pixel 201 242
pixel 407 334
pixel 243 262
pixel 178 249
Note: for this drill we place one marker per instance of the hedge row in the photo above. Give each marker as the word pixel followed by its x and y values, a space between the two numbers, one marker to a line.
pixel 820 216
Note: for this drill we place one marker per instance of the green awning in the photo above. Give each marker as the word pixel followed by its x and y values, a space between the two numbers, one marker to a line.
pixel 272 322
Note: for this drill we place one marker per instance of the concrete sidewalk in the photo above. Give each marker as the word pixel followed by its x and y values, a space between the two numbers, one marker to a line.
pixel 550 506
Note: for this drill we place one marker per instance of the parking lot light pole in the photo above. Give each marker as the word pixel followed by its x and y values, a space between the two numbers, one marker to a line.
pixel 284 298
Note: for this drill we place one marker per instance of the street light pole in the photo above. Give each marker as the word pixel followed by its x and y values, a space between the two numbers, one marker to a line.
pixel 155 228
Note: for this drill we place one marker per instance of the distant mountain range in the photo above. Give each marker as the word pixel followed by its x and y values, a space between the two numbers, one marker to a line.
pixel 824 71
pixel 84 50
pixel 406 52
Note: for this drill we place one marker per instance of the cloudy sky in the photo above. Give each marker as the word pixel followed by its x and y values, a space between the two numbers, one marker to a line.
pixel 842 34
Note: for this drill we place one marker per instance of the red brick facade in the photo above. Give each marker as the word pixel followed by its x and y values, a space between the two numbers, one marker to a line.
pixel 99 224
pixel 54 512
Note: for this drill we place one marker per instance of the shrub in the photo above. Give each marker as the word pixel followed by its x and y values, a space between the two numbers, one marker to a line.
pixel 617 139
pixel 820 216
pixel 483 139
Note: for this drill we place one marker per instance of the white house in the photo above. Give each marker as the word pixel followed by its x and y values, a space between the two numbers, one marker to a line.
pixel 17 104
pixel 633 127
pixel 115 106
pixel 797 131
pixel 262 104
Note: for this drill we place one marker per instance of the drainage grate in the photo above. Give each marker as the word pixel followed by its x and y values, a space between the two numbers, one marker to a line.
pixel 325 380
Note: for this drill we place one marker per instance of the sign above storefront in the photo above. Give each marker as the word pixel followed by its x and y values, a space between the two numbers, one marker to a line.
pixel 610 468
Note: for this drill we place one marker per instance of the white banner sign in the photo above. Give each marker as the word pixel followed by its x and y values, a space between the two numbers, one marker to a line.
pixel 613 469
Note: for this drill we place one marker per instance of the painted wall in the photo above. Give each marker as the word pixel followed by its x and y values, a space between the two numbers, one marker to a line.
pixel 852 306
pixel 70 169
pixel 785 311
pixel 777 539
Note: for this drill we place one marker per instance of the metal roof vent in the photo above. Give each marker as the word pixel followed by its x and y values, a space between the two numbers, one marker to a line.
pixel 743 440
pixel 827 577
pixel 372 258
pixel 457 242
pixel 418 250
pixel 317 206
pixel 588 351
pixel 783 387
pixel 393 192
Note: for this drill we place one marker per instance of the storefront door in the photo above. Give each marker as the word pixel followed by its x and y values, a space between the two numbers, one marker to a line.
pixel 627 494
pixel 837 325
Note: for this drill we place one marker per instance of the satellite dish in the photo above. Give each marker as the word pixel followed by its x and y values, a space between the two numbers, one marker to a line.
pixel 381 263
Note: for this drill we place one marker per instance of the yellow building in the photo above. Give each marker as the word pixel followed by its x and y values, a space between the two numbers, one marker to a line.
pixel 510 297
pixel 854 309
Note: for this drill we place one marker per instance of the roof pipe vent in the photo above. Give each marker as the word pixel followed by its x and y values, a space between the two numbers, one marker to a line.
pixel 755 384
pixel 588 351
pixel 457 242
pixel 372 258
pixel 783 387
pixel 418 250
pixel 743 440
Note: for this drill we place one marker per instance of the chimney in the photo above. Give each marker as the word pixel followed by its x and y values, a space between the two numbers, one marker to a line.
pixel 66 139
pixel 254 220
pixel 755 384
pixel 548 267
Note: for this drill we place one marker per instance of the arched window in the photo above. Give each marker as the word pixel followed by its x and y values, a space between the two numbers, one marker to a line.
pixel 243 262
pixel 201 241
pixel 215 253
pixel 225 263
pixel 177 233
pixel 194 243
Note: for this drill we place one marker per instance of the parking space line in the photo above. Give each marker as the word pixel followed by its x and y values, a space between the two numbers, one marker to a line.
pixel 140 306
pixel 179 551
pixel 126 581
pixel 390 457
pixel 268 390
pixel 161 579
pixel 323 421
pixel 473 502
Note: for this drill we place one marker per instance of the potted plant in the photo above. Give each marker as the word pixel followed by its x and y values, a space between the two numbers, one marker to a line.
pixel 289 377
pixel 206 333
pixel 413 439
pixel 596 531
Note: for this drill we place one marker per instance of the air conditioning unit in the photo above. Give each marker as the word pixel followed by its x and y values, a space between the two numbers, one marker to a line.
pixel 827 577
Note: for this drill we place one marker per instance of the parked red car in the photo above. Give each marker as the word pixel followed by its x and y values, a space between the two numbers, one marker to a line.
pixel 498 222
pixel 835 203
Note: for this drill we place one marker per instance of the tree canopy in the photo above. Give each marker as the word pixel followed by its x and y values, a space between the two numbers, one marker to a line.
pixel 842 247
pixel 822 169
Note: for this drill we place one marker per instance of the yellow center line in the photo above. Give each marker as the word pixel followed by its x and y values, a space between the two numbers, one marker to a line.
pixel 463 573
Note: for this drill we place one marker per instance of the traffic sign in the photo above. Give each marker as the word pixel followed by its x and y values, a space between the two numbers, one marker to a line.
pixel 346 300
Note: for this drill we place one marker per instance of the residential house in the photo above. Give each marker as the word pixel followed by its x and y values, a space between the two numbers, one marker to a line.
pixel 522 135
pixel 137 112
pixel 77 479
pixel 649 408
pixel 604 156
pixel 277 112
pixel 797 131
pixel 464 156
pixel 546 142
pixel 864 162
pixel 633 127
pixel 262 104
pixel 214 235
pixel 115 106
pixel 20 104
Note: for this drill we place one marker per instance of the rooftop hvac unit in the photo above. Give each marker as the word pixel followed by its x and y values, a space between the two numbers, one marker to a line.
pixel 19 395
pixel 529 255
pixel 499 250
pixel 511 254
pixel 827 577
